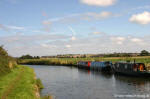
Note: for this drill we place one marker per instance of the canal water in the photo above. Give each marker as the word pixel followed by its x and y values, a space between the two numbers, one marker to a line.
pixel 73 83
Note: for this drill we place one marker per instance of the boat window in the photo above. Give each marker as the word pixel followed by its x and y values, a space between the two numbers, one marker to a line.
pixel 118 65
pixel 141 67
pixel 135 67
pixel 126 66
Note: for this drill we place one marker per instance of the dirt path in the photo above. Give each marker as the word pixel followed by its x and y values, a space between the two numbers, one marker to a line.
pixel 12 85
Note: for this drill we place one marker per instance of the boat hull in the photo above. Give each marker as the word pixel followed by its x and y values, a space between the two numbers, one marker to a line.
pixel 135 74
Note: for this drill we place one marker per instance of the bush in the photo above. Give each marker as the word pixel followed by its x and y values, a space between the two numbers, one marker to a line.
pixel 6 62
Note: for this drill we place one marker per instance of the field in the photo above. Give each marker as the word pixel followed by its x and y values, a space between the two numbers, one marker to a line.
pixel 73 61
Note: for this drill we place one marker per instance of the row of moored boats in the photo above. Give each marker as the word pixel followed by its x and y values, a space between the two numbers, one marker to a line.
pixel 122 68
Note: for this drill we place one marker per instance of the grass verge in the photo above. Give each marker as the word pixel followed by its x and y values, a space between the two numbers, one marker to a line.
pixel 19 84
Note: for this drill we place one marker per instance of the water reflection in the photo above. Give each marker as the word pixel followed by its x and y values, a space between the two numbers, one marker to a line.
pixel 73 83
pixel 133 84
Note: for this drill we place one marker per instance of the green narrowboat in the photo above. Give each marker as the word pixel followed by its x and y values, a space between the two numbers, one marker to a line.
pixel 131 69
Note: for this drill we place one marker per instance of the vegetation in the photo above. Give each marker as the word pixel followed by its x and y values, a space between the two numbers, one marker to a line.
pixel 20 83
pixel 17 82
pixel 6 62
pixel 3 52
pixel 29 57
pixel 144 53
pixel 39 83
pixel 73 61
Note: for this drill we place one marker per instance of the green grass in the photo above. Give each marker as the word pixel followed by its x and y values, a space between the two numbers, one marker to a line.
pixel 73 61
pixel 18 84
pixel 6 80
pixel 39 83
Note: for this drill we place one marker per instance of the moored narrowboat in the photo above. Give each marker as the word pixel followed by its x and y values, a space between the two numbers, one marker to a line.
pixel 101 66
pixel 131 69
pixel 94 65
pixel 84 64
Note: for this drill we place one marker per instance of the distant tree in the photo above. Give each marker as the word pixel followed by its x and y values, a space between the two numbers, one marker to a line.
pixel 3 52
pixel 29 57
pixel 84 56
pixel 26 57
pixel 144 53
pixel 36 57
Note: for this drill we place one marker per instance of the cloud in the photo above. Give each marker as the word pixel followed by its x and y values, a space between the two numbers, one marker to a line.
pixel 60 44
pixel 136 40
pixel 78 17
pixel 15 27
pixel 31 39
pixel 101 3
pixel 141 7
pixel 118 40
pixel 73 38
pixel 47 25
pixel 3 27
pixel 10 27
pixel 97 32
pixel 46 22
pixel 101 15
pixel 141 18
pixel 68 46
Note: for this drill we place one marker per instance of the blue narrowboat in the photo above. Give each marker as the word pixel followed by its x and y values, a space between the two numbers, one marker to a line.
pixel 94 65
pixel 105 66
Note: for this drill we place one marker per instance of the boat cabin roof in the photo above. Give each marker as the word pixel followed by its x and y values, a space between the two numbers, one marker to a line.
pixel 130 62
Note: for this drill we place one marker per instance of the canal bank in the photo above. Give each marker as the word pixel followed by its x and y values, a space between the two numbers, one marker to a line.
pixel 20 83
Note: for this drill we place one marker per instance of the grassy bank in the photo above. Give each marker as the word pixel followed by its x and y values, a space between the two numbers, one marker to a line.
pixel 20 83
pixel 17 82
pixel 73 61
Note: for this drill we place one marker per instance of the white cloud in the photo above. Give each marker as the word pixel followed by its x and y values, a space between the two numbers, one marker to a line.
pixel 118 40
pixel 15 27
pixel 136 40
pixel 101 15
pixel 97 32
pixel 68 46
pixel 101 3
pixel 45 45
pixel 55 44
pixel 10 27
pixel 141 18
pixel 78 17
pixel 73 38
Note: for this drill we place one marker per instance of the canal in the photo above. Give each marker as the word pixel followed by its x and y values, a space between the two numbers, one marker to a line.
pixel 73 83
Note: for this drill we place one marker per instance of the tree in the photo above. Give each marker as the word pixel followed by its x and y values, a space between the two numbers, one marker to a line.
pixel 26 57
pixel 3 52
pixel 144 53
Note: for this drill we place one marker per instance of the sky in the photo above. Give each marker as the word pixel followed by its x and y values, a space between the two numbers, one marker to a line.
pixel 51 27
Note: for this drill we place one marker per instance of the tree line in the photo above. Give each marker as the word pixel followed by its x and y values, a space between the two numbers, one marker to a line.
pixel 142 53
